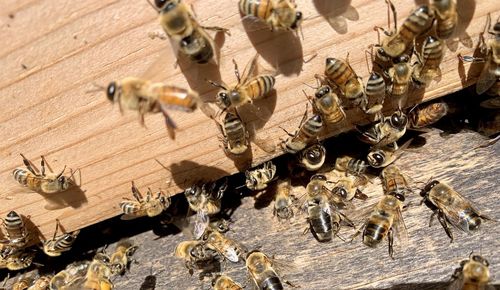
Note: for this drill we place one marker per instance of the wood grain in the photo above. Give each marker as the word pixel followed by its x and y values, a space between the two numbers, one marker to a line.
pixel 55 50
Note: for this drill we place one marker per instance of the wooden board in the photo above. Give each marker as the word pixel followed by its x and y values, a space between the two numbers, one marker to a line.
pixel 54 51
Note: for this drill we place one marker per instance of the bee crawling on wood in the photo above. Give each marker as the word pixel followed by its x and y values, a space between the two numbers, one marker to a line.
pixel 309 129
pixel 426 114
pixel 265 271
pixel 446 15
pixel 473 273
pixel 277 14
pixel 223 282
pixel 351 165
pixel 258 179
pixel 387 131
pixel 59 244
pixel 327 103
pixel 427 67
pixel 121 257
pixel 224 246
pixel 195 254
pixel 150 206
pixel 385 156
pixel 283 201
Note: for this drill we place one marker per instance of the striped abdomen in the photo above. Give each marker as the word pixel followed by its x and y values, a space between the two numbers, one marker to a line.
pixel 271 281
pixel 357 166
pixel 16 231
pixel 236 134
pixel 259 8
pixel 393 180
pixel 130 207
pixel 330 108
pixel 258 87
pixel 339 72
pixel 400 80
pixel 433 52
pixel 423 117
pixel 61 244
pixel 375 92
pixel 309 130
pixel 446 17
pixel 320 220
pixel 26 178
pixel 377 228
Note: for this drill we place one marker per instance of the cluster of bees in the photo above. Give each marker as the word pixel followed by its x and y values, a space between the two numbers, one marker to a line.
pixel 408 57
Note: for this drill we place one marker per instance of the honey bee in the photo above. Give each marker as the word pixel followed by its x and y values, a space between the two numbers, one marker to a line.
pixel 313 157
pixel 400 74
pixel 223 245
pixel 205 200
pixel 451 208
pixel 97 277
pixel 385 220
pixel 57 245
pixel 278 15
pixel 121 258
pixel 195 254
pixel 387 131
pixel 41 182
pixel 384 156
pixel 283 201
pixel 147 97
pixel 401 40
pixel 427 67
pixel 262 269
pixel 446 15
pixel 308 130
pixel 375 93
pixel 426 115
pixel 236 136
pixel 72 272
pixel 246 90
pixel 341 74
pixel 350 165
pixel 15 230
pixel 185 33
pixel 327 103
pixel 22 283
pixel 42 283
pixel 394 182
pixel 151 206
pixel 17 260
pixel 223 282
pixel 472 274
pixel 347 188
pixel 259 178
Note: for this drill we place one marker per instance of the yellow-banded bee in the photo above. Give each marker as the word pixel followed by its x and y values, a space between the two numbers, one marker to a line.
pixel 426 115
pixel 278 15
pixel 121 257
pixel 41 182
pixel 283 202
pixel 400 75
pixel 185 33
pixel 72 272
pixel 327 103
pixel 375 91
pixel 59 244
pixel 223 245
pixel 427 68
pixel 22 283
pixel 385 220
pixel 236 136
pixel 341 74
pixel 350 165
pixel 147 97
pixel 42 283
pixel 313 157
pixel 262 270
pixel 150 206
pixel 308 130
pixel 223 282
pixel 258 179
pixel 451 208
pixel 195 254
pixel 384 156
pixel 446 15
pixel 97 277
pixel 394 182
pixel 246 90
pixel 401 40
pixel 15 230
pixel 387 131
pixel 473 274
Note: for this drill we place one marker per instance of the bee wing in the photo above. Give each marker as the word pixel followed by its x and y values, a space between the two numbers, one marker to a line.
pixel 337 200
pixel 162 65
pixel 399 227
pixel 458 282
pixel 486 79
pixel 251 69
pixel 201 223
pixel 261 112
pixel 453 213
pixel 253 24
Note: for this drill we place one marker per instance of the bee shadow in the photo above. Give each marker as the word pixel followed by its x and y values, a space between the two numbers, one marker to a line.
pixel 186 173
pixel 465 9
pixel 337 13
pixel 270 45
pixel 74 197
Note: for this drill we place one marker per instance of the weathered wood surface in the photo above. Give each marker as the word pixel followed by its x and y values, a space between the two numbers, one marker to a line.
pixel 54 50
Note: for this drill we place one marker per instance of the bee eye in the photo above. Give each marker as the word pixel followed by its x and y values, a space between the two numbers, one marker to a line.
pixel 110 92
pixel 398 121
pixel 399 196
pixel 343 192
pixel 298 15
pixel 378 157
pixel 159 3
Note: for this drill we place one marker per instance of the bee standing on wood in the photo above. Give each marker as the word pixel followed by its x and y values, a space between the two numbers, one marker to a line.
pixel 327 103
pixel 451 208
pixel 375 91
pixel 41 182
pixel 384 156
pixel 59 244
pixel 427 68
pixel 427 114
pixel 472 274
pixel 223 282
pixel 347 188
pixel 73 271
pixel 223 245
pixel 350 165
pixel 263 271
pixel 386 131
pixel 341 74
pixel 151 206
pixel 308 130
pixel 195 254
pixel 42 283
pixel 400 75
pixel 394 182
pixel 313 157
pixel 283 202
pixel 277 14
pixel 121 258
pixel 258 179
pixel 446 17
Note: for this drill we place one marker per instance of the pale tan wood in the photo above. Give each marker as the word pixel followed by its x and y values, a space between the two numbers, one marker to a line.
pixel 66 46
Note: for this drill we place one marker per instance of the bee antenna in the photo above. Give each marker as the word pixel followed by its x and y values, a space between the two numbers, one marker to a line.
pixel 62 172
pixel 241 186
pixel 161 164
pixel 217 85
pixel 97 88
pixel 312 87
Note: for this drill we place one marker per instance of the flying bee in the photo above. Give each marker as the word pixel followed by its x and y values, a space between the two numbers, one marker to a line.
pixel 248 88
pixel 185 33
pixel 283 201
pixel 347 188
pixel 264 271
pixel 426 115
pixel 451 208
pixel 147 97
pixel 42 283
pixel 258 179
pixel 73 271
pixel 16 231
pixel 446 15
pixel 384 156
pixel 278 15
pixel 472 274
pixel 400 74
pixel 223 282
pixel 341 74
pixel 205 200
pixel 327 103
pixel 223 245
pixel 42 182
pixel 401 40
pixel 385 220
pixel 350 165
pixel 387 131
pixel 394 182
pixel 313 157
pixel 121 258
pixel 427 68
pixel 150 206
pixel 308 130
pixel 57 245
pixel 195 254
pixel 375 93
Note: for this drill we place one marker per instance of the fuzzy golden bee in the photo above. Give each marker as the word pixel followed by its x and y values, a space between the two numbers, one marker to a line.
pixel 446 15
pixel 258 179
pixel 15 230
pixel 327 103
pixel 223 282
pixel 341 74
pixel 98 275
pixel 427 67
pixel 72 272
pixel 22 283
pixel 150 206
pixel 473 274
pixel 283 201
pixel 394 182
pixel 451 208
pixel 309 129
pixel 195 254
pixel 265 271
pixel 427 114
pixel 313 157
pixel 226 247
pixel 16 260
pixel 277 14
pixel 42 182
pixel 42 283
pixel 385 156
pixel 400 75
pixel 59 244
pixel 121 257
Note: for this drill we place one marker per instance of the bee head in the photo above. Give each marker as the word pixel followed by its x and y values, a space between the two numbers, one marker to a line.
pixel 111 91
pixel 399 196
pixel 223 100
pixel 165 5
pixel 63 182
pixel 298 20
pixel 480 259
pixel 428 187
pixel 322 91
pixel 340 190
pixel 398 120
pixel 376 159
pixel 318 177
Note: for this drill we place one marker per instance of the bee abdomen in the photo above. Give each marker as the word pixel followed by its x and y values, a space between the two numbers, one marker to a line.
pixel 321 224
pixel 473 220
pixel 338 71
pixel 128 207
pixel 260 86
pixel 65 242
pixel 259 8
pixel 271 283
pixel 373 234
pixel 21 176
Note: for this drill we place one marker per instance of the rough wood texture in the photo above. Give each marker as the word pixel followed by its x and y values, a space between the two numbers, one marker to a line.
pixel 54 50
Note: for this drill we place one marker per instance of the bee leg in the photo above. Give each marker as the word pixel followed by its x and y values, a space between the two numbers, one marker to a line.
pixel 290 284
pixel 432 218
pixel 27 163
pixel 157 34
pixel 444 224
pixel 217 29
pixel 136 193
pixel 390 238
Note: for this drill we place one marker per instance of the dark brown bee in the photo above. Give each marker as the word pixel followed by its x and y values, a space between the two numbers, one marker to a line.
pixel 426 115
